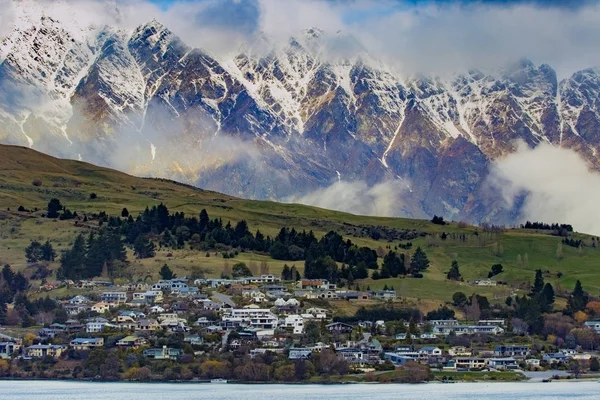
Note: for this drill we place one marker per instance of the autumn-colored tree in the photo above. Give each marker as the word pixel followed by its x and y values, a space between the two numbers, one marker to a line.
pixel 28 339
pixel 412 372
pixel 253 372
pixel 593 308
pixel 215 369
pixel 580 317
pixel 285 373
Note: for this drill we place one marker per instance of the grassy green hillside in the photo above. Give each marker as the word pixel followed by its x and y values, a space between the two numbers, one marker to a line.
pixel 31 179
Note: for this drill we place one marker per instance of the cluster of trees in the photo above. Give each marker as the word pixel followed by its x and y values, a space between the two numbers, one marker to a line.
pixel 530 308
pixel 384 313
pixel 573 242
pixel 394 264
pixel 322 258
pixel 101 254
pixel 11 284
pixel 547 227
pixel 290 273
pixel 37 252
pixel 438 220
pixel 54 209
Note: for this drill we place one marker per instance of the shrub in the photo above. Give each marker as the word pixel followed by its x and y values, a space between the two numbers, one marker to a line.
pixel 36 182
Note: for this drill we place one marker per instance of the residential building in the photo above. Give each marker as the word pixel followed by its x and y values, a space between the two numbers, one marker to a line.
pixel 148 325
pixel 43 350
pixel 460 351
pixel 398 359
pixel 79 299
pixel 294 322
pixel 383 294
pixel 8 349
pixel 595 325
pixel 503 363
pixel 164 353
pixel 114 297
pixel 98 325
pixel 86 343
pixel 131 341
pixel 551 358
pixel 512 351
pixel 470 363
pixel 339 328
pixel 297 353
pixel 101 307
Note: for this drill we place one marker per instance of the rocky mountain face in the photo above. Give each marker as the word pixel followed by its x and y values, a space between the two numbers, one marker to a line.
pixel 285 122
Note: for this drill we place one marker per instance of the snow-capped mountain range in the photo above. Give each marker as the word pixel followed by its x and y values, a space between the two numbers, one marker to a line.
pixel 283 122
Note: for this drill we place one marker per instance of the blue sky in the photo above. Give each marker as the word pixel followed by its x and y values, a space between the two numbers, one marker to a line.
pixel 245 13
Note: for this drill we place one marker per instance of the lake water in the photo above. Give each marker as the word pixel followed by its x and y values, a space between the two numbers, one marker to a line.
pixel 53 390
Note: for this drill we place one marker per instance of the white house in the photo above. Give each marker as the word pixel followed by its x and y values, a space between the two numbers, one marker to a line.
pixel 296 322
pixel 101 307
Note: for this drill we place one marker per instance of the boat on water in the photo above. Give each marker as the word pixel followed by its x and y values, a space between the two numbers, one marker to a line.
pixel 218 380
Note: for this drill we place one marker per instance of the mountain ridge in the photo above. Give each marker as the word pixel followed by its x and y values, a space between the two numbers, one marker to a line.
pixel 286 122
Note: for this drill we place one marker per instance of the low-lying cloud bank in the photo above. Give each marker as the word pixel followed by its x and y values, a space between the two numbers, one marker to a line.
pixel 557 183
pixel 384 199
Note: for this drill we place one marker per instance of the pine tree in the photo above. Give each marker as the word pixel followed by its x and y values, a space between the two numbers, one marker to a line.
pixel 547 298
pixel 578 299
pixel 54 207
pixel 166 273
pixel 419 262
pixel 538 283
pixel 454 273
pixel 143 247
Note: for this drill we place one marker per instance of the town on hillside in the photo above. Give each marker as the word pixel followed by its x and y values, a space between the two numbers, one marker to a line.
pixel 260 328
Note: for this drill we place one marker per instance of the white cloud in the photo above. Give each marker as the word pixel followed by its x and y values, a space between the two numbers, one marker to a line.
pixel 384 199
pixel 557 182
pixel 414 38
pixel 7 16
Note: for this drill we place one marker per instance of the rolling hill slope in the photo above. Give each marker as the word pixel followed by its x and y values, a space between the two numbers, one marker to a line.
pixel 31 179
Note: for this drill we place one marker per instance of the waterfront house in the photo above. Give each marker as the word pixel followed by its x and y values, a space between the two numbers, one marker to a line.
pixel 503 363
pixel 512 351
pixel 8 349
pixel 470 363
pixel 298 353
pixel 164 353
pixel 44 350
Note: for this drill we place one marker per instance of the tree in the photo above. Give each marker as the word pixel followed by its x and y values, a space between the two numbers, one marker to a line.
pixel 594 364
pixel 93 196
pixel 166 273
pixel 454 273
pixel 54 207
pixel 393 264
pixel 48 253
pixel 459 299
pixel 143 247
pixel 547 298
pixel 495 270
pixel 419 261
pixel 240 270
pixel 124 213
pixel 473 310
pixel 538 283
pixel 33 252
pixel 578 299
